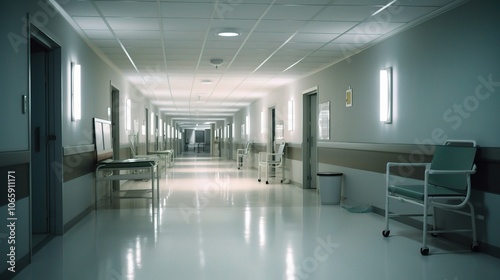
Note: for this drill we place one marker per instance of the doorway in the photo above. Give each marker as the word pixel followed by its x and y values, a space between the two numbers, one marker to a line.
pixel 45 98
pixel 310 151
pixel 146 122
pixel 272 130
pixel 229 145
pixel 156 132
pixel 115 129
pixel 115 121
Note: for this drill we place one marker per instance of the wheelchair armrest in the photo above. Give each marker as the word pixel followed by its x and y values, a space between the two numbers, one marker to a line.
pixel 434 171
pixel 391 164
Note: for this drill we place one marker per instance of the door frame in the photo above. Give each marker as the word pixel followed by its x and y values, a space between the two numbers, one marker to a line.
pixel 229 145
pixel 310 147
pixel 115 120
pixel 271 141
pixel 53 115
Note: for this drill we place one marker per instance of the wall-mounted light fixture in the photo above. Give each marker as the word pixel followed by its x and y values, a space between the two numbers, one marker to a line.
pixel 160 128
pixel 290 115
pixel 247 121
pixel 262 123
pixel 152 124
pixel 386 95
pixel 76 92
pixel 128 115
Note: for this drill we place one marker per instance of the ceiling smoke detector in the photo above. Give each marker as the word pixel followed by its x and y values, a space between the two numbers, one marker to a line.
pixel 216 62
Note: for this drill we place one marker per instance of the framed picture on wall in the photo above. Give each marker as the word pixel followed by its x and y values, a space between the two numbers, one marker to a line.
pixel 348 97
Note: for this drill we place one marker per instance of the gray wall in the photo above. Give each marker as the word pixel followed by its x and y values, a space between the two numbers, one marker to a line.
pixel 14 129
pixel 446 74
pixel 436 66
pixel 76 179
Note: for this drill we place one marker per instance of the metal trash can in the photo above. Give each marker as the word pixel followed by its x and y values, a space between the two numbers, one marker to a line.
pixel 330 184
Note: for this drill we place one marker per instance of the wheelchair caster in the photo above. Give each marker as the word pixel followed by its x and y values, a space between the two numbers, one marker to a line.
pixel 267 182
pixel 258 180
pixel 424 251
pixel 386 232
pixel 474 247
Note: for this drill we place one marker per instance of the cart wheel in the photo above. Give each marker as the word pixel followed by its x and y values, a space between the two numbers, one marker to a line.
pixel 474 247
pixel 258 180
pixel 424 251
pixel 386 232
pixel 267 182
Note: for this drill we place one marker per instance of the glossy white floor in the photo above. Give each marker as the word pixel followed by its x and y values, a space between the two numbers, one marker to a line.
pixel 216 222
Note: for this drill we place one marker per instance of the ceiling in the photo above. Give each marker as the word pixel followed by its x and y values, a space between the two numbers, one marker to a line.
pixel 164 47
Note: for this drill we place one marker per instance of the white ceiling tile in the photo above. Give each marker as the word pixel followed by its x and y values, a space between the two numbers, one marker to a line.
pixel 94 23
pixel 271 36
pixel 215 45
pixel 346 13
pixel 99 34
pixel 373 28
pixel 141 43
pixel 188 45
pixel 262 45
pixel 172 35
pixel 79 8
pixel 186 10
pixel 327 26
pixel 292 12
pixel 119 23
pixel 306 46
pixel 134 34
pixel 104 43
pixel 245 25
pixel 127 9
pixel 314 37
pixel 356 39
pixel 134 51
pixel 182 24
pixel 239 10
pixel 289 26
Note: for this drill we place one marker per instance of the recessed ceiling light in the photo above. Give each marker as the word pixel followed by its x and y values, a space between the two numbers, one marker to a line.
pixel 228 33
pixel 206 82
